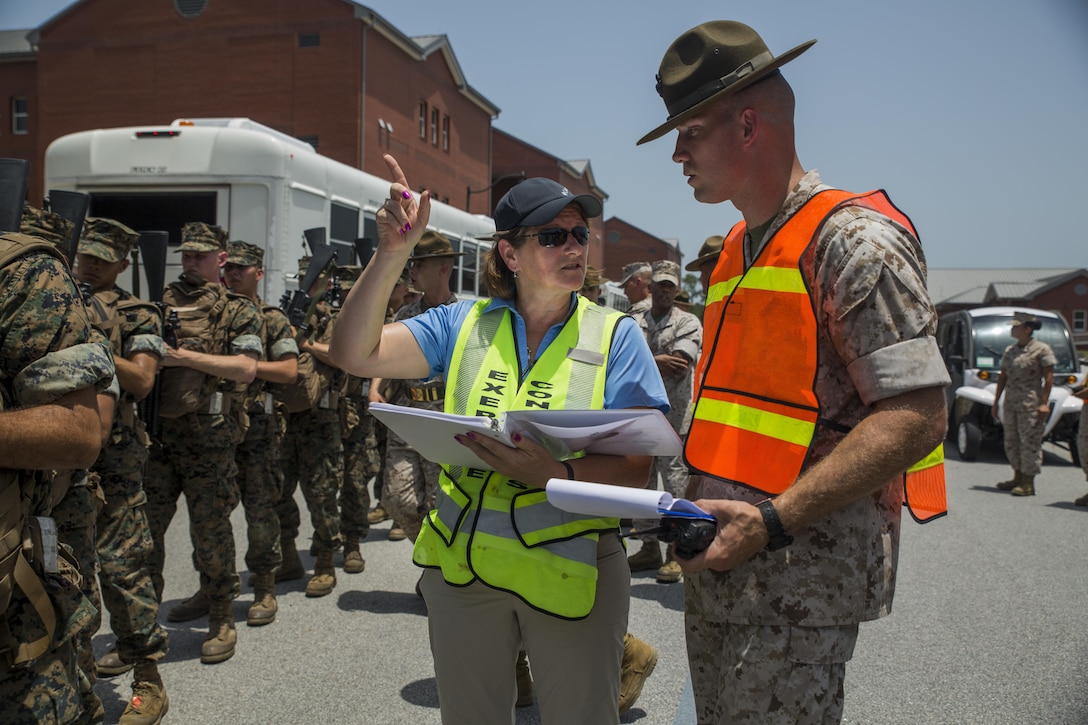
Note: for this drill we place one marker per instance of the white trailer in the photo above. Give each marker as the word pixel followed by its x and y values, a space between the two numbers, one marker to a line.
pixel 261 185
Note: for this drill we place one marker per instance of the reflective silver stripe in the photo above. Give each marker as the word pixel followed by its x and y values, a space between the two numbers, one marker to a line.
pixel 472 357
pixel 534 519
pixel 579 549
pixel 583 369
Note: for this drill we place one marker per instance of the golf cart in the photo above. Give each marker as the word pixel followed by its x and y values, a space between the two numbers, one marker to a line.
pixel 972 342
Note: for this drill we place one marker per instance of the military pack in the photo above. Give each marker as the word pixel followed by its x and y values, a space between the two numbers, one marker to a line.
pixel 194 322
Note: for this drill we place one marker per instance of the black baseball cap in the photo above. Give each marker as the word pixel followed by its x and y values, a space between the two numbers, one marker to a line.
pixel 537 201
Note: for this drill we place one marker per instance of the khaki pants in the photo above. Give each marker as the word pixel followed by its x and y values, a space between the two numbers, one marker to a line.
pixel 476 633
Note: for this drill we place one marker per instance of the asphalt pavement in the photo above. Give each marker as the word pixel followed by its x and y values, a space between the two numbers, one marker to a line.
pixel 989 626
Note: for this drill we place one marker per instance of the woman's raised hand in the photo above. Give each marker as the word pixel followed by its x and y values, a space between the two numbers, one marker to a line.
pixel 401 219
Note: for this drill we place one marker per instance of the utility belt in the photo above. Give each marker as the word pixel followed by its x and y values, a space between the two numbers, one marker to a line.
pixel 329 401
pixel 265 404
pixel 427 393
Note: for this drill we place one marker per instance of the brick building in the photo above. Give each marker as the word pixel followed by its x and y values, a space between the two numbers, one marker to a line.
pixel 333 73
pixel 1060 290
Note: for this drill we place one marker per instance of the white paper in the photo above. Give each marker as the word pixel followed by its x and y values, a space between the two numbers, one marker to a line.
pixel 598 499
pixel 563 433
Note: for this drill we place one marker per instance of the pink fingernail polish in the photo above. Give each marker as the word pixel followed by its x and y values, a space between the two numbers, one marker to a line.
pixel 517 437
pixel 472 436
pixel 407 226
pixel 401 230
pixel 406 194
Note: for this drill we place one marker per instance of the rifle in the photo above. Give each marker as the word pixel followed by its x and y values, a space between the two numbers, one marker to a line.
pixel 14 177
pixel 364 250
pixel 302 306
pixel 153 245
pixel 73 206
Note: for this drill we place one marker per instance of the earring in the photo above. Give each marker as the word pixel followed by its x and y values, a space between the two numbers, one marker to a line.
pixel 515 275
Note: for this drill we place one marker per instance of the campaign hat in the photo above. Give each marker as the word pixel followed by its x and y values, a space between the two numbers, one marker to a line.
pixel 711 61
pixel 432 245
pixel 711 248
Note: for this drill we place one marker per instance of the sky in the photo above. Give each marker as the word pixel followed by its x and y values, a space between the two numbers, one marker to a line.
pixel 972 114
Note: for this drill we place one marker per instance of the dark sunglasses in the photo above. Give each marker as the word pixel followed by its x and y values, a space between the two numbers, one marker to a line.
pixel 557 237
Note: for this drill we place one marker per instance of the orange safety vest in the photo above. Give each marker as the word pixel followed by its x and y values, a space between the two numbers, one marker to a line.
pixel 756 408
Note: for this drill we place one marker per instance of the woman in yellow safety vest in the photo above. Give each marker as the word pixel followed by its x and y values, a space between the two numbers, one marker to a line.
pixel 505 570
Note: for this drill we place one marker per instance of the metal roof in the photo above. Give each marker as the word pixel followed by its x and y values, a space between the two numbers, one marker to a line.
pixel 970 285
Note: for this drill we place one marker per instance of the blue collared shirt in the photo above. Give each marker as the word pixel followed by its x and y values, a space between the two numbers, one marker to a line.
pixel 632 379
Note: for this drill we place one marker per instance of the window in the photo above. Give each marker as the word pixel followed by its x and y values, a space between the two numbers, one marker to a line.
pixel 446 132
pixel 19 116
pixel 469 266
pixel 434 126
pixel 309 40
pixel 1080 320
pixel 423 119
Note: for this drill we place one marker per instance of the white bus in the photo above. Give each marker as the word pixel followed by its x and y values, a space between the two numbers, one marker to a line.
pixel 261 185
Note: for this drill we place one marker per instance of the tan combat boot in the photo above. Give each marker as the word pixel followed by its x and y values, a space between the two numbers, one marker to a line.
pixel 525 680
pixel 291 567
pixel 648 557
pixel 219 644
pixel 377 516
pixel 1016 480
pixel 110 664
pixel 149 701
pixel 354 563
pixel 639 661
pixel 670 571
pixel 1026 487
pixel 192 608
pixel 263 609
pixel 324 578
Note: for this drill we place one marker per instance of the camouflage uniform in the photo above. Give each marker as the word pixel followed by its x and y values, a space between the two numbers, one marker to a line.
pixel 260 479
pixel 46 352
pixel 361 461
pixel 313 456
pixel 1023 428
pixel 769 640
pixel 123 539
pixel 677 331
pixel 411 481
pixel 80 497
pixel 197 456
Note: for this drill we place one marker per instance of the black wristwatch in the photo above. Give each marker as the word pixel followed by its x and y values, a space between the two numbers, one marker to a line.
pixel 779 537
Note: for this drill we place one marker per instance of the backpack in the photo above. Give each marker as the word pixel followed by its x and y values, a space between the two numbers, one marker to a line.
pixel 21 566
pixel 194 322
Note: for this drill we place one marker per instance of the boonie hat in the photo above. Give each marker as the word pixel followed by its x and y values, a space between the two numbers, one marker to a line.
pixel 537 201
pixel 711 60
pixel 630 270
pixel 106 239
pixel 245 254
pixel 202 237
pixel 433 244
pixel 47 225
pixel 666 271
pixel 711 249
